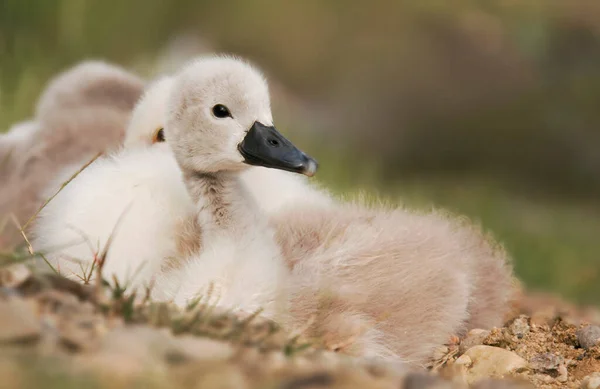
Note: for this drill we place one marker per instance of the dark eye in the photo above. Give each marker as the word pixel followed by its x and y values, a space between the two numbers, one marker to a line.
pixel 221 111
pixel 159 136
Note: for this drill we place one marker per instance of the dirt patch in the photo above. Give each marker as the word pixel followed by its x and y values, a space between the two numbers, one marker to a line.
pixel 57 333
pixel 546 333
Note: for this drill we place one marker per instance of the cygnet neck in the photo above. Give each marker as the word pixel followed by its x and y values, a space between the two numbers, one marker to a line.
pixel 221 202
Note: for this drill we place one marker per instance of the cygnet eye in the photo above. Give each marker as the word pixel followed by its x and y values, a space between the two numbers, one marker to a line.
pixel 159 136
pixel 221 111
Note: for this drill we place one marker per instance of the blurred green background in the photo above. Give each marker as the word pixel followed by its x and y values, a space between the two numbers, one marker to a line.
pixel 488 108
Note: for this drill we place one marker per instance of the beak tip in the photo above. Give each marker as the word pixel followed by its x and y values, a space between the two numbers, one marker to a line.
pixel 311 168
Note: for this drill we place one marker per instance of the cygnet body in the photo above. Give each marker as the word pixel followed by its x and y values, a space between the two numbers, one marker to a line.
pixel 388 283
pixel 83 111
pixel 133 198
pixel 376 282
pixel 219 124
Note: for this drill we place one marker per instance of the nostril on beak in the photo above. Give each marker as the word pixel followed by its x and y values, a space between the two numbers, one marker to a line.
pixel 273 142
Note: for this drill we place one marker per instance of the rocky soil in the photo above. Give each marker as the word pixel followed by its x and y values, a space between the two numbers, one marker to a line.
pixel 55 333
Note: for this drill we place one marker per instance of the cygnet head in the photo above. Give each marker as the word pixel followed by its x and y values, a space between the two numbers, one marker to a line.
pixel 219 119
pixel 146 126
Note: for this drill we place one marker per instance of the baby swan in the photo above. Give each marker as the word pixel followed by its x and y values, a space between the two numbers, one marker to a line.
pixel 82 111
pixel 219 123
pixel 391 284
pixel 135 195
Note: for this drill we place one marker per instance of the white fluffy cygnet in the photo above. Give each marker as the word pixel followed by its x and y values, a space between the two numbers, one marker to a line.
pixel 219 124
pixel 390 284
pixel 147 236
pixel 134 198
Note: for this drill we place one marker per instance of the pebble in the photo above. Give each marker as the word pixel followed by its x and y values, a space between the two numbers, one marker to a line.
pixel 222 377
pixel 592 381
pixel 273 361
pixel 136 342
pixel 464 360
pixel 475 337
pixel 547 361
pixel 544 378
pixel 200 349
pixel 457 371
pixel 81 332
pixel 520 326
pixel 308 380
pixel 425 381
pixel 589 336
pixel 563 374
pixel 127 353
pixel 492 362
pixel 141 342
pixel 19 321
pixel 502 384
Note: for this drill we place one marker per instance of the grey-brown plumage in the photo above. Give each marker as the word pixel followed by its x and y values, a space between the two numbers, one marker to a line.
pixel 390 283
pixel 83 111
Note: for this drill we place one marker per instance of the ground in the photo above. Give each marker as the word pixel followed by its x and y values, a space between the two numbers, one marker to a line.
pixel 56 333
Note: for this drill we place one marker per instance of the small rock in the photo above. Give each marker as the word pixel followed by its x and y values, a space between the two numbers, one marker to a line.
pixel 81 332
pixel 425 381
pixel 142 343
pixel 139 342
pixel 502 384
pixel 457 371
pixel 591 382
pixel 301 363
pixel 464 360
pixel 520 326
pixel 58 302
pixel 128 353
pixel 223 377
pixel 274 361
pixel 196 348
pixel 492 362
pixel 374 369
pixel 308 380
pixel 475 337
pixel 588 336
pixel 19 321
pixel 563 374
pixel 547 361
pixel 544 378
pixel 499 337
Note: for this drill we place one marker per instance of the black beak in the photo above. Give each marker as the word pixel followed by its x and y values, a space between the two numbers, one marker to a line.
pixel 265 146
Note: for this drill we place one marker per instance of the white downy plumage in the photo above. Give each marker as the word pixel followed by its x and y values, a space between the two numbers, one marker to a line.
pixel 238 259
pixel 135 195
